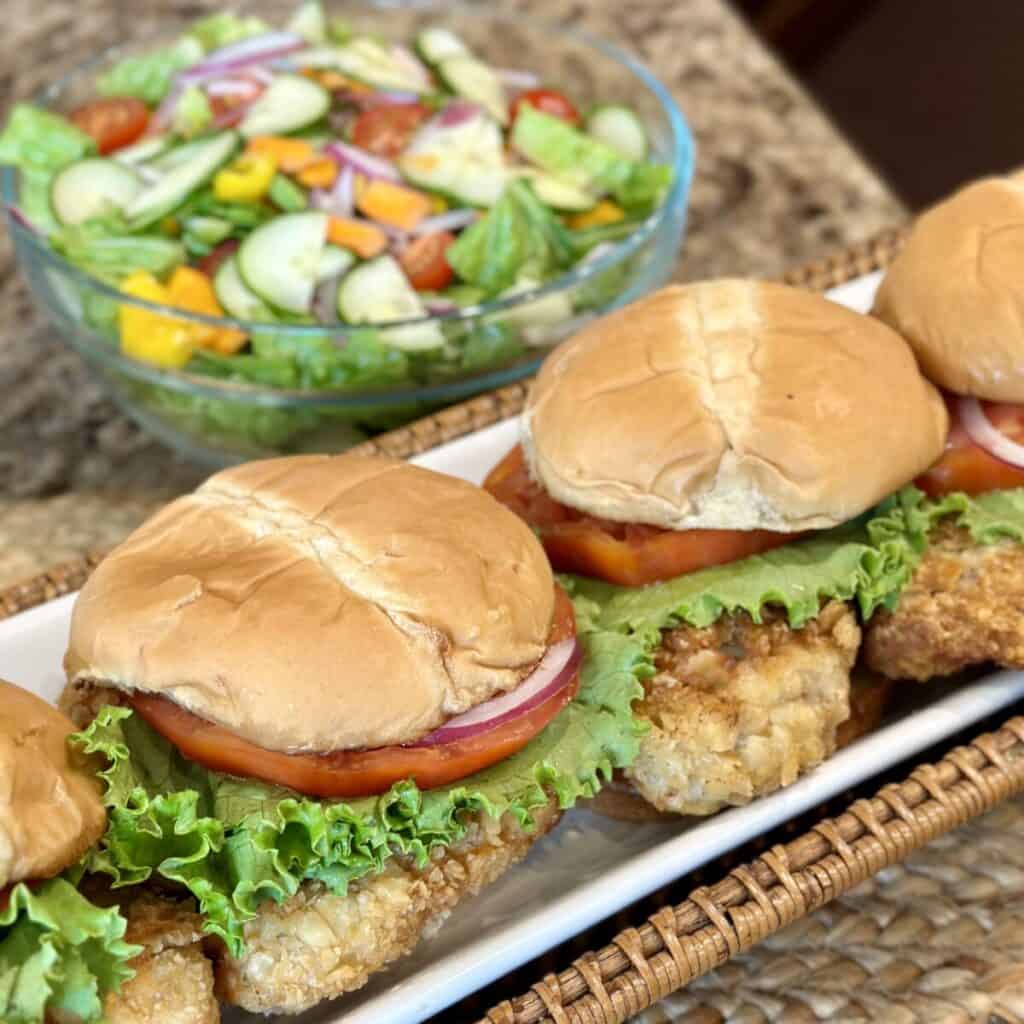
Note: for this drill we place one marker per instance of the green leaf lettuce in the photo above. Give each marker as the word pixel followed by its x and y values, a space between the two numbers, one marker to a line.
pixel 59 953
pixel 235 843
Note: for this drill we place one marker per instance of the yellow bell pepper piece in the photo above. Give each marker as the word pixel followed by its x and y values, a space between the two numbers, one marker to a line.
pixel 191 289
pixel 151 337
pixel 606 212
pixel 246 179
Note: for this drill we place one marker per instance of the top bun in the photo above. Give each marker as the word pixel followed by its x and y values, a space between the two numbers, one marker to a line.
pixel 731 405
pixel 51 810
pixel 956 291
pixel 318 604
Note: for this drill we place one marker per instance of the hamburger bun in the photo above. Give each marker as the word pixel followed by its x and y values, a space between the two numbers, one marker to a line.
pixel 731 405
pixel 51 810
pixel 956 291
pixel 315 604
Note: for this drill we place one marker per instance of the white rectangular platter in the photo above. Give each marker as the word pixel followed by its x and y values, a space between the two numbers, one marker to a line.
pixel 590 866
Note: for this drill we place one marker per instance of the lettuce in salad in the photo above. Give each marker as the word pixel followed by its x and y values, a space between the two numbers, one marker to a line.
pixel 193 113
pixel 105 249
pixel 148 77
pixel 59 954
pixel 225 28
pixel 235 843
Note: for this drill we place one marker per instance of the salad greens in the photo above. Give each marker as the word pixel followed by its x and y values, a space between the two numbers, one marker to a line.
pixel 59 954
pixel 418 153
pixel 235 843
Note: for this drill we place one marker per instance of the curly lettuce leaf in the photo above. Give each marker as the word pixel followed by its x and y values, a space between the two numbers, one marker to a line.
pixel 576 158
pixel 225 28
pixel 518 237
pixel 103 248
pixel 148 77
pixel 235 843
pixel 59 954
pixel 40 143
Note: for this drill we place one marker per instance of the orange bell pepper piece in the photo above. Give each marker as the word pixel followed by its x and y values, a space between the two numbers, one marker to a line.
pixel 290 155
pixel 191 289
pixel 365 240
pixel 321 173
pixel 391 204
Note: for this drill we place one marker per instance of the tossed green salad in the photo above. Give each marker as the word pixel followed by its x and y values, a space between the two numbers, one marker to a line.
pixel 312 175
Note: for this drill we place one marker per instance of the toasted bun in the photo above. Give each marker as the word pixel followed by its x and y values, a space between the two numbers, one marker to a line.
pixel 50 806
pixel 731 405
pixel 317 604
pixel 956 291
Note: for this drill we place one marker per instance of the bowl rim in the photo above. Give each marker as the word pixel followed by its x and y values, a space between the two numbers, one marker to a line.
pixel 682 157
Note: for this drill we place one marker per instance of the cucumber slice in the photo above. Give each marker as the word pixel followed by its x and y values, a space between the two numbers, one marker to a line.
pixel 91 188
pixel 465 161
pixel 205 159
pixel 289 103
pixel 280 260
pixel 309 22
pixel 141 152
pixel 367 61
pixel 437 44
pixel 377 292
pixel 548 311
pixel 475 81
pixel 334 261
pixel 236 297
pixel 559 195
pixel 618 127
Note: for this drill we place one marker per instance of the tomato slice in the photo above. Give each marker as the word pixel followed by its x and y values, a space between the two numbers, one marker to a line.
pixel 964 466
pixel 550 102
pixel 629 554
pixel 112 123
pixel 424 262
pixel 351 773
pixel 386 131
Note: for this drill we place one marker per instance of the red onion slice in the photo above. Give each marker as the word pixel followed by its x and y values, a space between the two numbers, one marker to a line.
pixel 453 220
pixel 515 79
pixel 343 193
pixel 233 87
pixel 981 430
pixel 457 112
pixel 555 672
pixel 362 162
pixel 255 50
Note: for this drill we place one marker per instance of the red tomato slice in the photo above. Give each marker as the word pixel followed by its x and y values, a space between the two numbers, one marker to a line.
pixel 351 773
pixel 966 467
pixel 629 554
pixel 386 131
pixel 550 102
pixel 112 123
pixel 424 262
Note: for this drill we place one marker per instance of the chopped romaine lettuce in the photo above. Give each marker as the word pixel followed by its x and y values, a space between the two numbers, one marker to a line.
pixel 102 248
pixel 225 28
pixel 148 76
pixel 193 114
pixel 518 237
pixel 309 22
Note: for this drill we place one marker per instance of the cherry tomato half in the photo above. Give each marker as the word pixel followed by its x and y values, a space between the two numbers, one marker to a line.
pixel 357 772
pixel 548 101
pixel 112 123
pixel 386 131
pixel 424 262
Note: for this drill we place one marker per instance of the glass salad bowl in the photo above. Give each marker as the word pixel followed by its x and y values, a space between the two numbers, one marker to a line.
pixel 295 387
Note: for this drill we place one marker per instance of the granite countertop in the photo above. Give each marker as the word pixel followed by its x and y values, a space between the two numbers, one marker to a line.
pixel 776 185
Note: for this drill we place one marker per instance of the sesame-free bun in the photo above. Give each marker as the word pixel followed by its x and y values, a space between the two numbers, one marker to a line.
pixel 50 806
pixel 956 291
pixel 731 405
pixel 317 603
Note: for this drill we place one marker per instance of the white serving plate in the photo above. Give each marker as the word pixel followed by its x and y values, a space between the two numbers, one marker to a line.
pixel 590 866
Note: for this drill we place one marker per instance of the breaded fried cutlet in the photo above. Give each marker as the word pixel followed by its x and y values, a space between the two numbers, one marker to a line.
pixel 964 606
pixel 739 709
pixel 317 945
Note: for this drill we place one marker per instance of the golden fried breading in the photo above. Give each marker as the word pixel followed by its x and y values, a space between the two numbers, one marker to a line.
pixel 870 697
pixel 739 709
pixel 317 945
pixel 963 606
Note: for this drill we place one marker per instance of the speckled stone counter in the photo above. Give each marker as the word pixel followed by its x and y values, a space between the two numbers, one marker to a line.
pixel 776 185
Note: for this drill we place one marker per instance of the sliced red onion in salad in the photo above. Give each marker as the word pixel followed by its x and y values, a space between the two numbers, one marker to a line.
pixel 232 87
pixel 987 436
pixel 325 300
pixel 516 79
pixel 362 162
pixel 452 220
pixel 457 112
pixel 255 50
pixel 553 674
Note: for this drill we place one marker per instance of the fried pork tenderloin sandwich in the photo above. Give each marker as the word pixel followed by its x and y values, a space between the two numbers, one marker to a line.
pixel 956 293
pixel 696 460
pixel 335 696
pixel 69 955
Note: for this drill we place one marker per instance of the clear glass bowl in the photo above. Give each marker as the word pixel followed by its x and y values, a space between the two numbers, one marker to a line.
pixel 218 422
